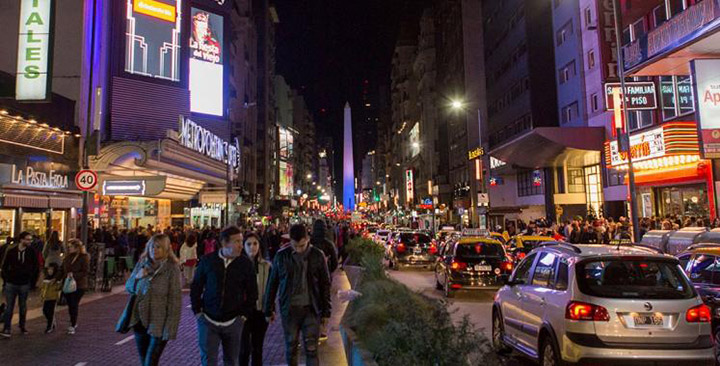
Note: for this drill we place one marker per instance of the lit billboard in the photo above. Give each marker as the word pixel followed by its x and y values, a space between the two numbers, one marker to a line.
pixel 152 46
pixel 706 77
pixel 206 62
pixel 34 49
pixel 286 179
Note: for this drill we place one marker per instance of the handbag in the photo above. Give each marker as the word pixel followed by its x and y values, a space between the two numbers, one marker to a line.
pixel 70 285
pixel 123 325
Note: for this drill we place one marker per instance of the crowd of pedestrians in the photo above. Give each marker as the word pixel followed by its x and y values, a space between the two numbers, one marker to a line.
pixel 241 279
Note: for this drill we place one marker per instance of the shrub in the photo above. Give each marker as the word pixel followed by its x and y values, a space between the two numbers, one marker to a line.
pixel 358 248
pixel 401 327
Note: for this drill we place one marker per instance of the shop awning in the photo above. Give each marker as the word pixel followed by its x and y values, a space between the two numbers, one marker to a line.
pixel 24 200
pixel 40 199
pixel 553 146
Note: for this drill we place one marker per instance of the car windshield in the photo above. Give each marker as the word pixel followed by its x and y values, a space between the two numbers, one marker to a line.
pixel 641 278
pixel 704 269
pixel 478 250
pixel 414 238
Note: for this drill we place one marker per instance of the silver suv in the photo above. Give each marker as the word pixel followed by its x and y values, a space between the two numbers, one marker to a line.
pixel 600 304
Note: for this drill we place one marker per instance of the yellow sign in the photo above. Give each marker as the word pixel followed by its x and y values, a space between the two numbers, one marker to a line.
pixel 155 9
pixel 476 153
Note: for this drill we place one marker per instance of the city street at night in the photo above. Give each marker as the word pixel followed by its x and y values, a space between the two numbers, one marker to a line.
pixel 360 182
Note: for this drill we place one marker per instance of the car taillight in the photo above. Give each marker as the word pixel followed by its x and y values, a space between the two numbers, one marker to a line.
pixel 507 266
pixel 458 266
pixel 400 248
pixel 583 311
pixel 698 314
pixel 433 249
pixel 520 256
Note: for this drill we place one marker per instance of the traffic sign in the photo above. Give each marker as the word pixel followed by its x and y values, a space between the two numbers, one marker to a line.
pixel 86 180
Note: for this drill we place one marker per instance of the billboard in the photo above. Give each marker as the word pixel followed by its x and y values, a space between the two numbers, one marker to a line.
pixel 152 38
pixel 34 44
pixel 706 77
pixel 286 179
pixel 206 62
pixel 286 143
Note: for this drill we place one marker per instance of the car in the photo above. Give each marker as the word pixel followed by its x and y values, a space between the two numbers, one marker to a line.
pixel 471 263
pixel 412 248
pixel 595 304
pixel 702 265
pixel 382 236
pixel 520 245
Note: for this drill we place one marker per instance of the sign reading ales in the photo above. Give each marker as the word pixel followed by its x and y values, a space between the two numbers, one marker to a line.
pixel 33 73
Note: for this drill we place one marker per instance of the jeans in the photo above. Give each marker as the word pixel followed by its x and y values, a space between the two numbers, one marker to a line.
pixel 253 338
pixel 149 348
pixel 21 293
pixel 301 319
pixel 49 311
pixel 210 336
pixel 73 303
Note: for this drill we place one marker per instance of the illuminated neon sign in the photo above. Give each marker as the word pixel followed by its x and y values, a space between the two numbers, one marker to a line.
pixel 152 38
pixel 33 72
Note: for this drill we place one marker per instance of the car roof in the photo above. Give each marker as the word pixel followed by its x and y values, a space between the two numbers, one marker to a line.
pixel 602 250
pixel 475 239
pixel 704 248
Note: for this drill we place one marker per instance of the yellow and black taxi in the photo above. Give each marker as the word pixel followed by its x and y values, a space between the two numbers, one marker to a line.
pixel 472 263
pixel 701 263
pixel 520 245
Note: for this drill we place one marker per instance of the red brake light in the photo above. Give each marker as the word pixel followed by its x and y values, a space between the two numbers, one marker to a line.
pixel 400 248
pixel 698 314
pixel 507 266
pixel 583 311
pixel 433 248
pixel 521 255
pixel 458 266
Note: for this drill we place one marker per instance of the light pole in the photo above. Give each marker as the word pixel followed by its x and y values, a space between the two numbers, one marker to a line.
pixel 86 145
pixel 626 134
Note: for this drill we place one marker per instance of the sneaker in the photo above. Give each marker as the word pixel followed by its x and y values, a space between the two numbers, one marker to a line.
pixel 50 329
pixel 323 337
pixel 71 330
pixel 5 333
pixel 23 331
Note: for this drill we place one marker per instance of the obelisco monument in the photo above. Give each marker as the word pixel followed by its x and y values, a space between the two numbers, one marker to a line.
pixel 348 163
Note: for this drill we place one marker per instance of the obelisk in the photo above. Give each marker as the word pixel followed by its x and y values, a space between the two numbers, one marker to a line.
pixel 348 163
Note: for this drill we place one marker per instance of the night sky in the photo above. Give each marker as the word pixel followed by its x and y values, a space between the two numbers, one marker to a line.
pixel 327 48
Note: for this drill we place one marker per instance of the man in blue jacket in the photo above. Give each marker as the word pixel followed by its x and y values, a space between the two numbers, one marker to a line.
pixel 223 292
pixel 300 274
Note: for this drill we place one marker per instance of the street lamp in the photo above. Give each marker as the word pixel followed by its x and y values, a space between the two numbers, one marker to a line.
pixel 309 176
pixel 456 104
pixel 416 145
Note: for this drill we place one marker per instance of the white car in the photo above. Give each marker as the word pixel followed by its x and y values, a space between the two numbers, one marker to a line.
pixel 382 236
pixel 600 304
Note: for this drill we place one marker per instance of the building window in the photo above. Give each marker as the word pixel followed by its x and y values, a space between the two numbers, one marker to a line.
pixel 594 102
pixel 676 96
pixel 569 112
pixel 591 59
pixel 527 183
pixel 565 31
pixel 614 177
pixel 567 72
pixel 576 180
pixel 659 15
pixel 589 23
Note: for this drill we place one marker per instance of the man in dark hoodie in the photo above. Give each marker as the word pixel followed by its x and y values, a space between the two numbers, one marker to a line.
pixel 223 293
pixel 319 239
pixel 19 268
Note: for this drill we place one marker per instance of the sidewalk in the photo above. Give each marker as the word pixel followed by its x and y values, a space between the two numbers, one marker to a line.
pixel 96 343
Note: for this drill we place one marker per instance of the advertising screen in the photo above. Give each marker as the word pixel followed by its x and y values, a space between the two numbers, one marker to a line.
pixel 286 143
pixel 286 179
pixel 153 38
pixel 206 62
pixel 707 88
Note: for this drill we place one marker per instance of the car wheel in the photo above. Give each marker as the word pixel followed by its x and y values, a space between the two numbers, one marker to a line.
pixel 448 291
pixel 550 355
pixel 498 333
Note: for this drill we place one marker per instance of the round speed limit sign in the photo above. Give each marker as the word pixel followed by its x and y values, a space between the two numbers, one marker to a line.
pixel 86 180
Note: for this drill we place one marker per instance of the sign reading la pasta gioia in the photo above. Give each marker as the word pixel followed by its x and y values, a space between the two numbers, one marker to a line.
pixel 34 46
pixel 197 138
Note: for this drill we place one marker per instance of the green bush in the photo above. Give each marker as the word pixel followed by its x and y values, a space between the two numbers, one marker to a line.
pixel 361 250
pixel 401 327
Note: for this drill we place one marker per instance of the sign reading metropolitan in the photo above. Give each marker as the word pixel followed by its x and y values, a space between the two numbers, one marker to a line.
pixel 33 71
pixel 207 143
pixel 639 95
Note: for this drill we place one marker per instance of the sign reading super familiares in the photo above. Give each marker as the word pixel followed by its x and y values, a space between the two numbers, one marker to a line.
pixel 33 76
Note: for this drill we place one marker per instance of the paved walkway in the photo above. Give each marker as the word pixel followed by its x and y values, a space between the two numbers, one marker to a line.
pixel 97 344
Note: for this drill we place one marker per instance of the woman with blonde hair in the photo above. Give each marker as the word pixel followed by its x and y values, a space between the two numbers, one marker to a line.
pixel 75 267
pixel 155 282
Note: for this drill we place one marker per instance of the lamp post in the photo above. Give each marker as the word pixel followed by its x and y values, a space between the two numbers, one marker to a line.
pixel 86 146
pixel 626 134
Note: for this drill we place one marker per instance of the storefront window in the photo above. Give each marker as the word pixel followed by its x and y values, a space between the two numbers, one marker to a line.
pixel 676 95
pixel 57 223
pixel 35 223
pixel 576 183
pixel 667 95
pixel 7 225
pixel 689 200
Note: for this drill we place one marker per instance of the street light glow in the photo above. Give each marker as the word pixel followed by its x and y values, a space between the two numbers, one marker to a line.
pixel 456 104
pixel 309 176
pixel 416 145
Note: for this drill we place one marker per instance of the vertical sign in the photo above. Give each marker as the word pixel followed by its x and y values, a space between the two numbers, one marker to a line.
pixel 33 71
pixel 706 79
pixel 206 63
pixel 409 185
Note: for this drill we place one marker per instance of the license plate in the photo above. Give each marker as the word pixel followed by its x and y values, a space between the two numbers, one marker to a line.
pixel 417 251
pixel 481 268
pixel 648 320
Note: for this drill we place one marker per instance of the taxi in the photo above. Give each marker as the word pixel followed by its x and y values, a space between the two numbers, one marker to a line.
pixel 520 245
pixel 472 263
